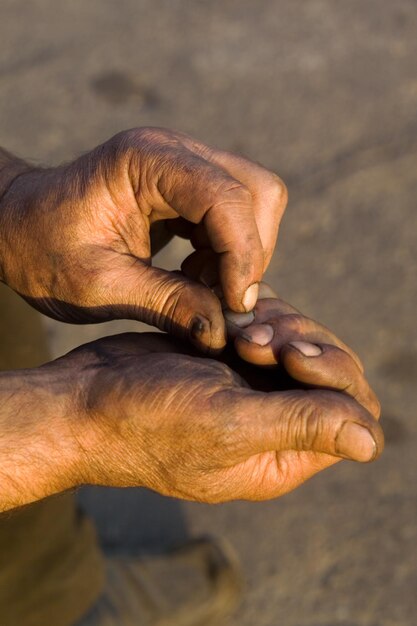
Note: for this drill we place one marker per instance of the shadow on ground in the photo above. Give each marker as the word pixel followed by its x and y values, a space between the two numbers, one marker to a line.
pixel 134 521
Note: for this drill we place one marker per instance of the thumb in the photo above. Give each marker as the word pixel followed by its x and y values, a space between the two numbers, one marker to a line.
pixel 319 421
pixel 171 302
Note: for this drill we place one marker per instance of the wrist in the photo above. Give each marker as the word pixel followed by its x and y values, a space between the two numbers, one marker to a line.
pixel 39 450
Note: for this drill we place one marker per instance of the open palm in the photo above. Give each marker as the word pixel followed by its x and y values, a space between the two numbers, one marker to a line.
pixel 200 429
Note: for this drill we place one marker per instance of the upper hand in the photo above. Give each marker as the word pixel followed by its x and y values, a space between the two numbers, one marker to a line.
pixel 79 236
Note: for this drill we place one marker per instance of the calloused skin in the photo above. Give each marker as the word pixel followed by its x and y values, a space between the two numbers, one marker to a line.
pixel 77 240
pixel 141 410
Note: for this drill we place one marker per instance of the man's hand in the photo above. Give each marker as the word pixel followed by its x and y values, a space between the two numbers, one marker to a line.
pixel 192 428
pixel 140 410
pixel 76 240
pixel 276 333
pixel 281 348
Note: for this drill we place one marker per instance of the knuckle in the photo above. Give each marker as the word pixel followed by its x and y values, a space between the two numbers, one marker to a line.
pixel 233 191
pixel 170 298
pixel 144 134
pixel 124 141
pixel 146 139
pixel 231 425
pixel 277 190
pixel 310 426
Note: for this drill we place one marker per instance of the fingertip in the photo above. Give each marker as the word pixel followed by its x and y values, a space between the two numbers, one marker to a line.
pixel 240 272
pixel 304 361
pixel 259 334
pixel 241 303
pixel 200 317
pixel 332 368
pixel 306 348
pixel 250 297
pixel 355 442
pixel 379 439
pixel 254 345
pixel 297 364
pixel 345 428
pixel 234 297
pixel 359 443
pixel 208 336
pixel 241 320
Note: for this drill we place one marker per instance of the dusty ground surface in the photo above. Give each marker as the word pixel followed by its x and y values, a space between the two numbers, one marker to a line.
pixel 324 93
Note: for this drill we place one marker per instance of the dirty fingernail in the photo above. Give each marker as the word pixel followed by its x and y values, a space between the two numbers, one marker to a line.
pixel 239 319
pixel 356 443
pixel 261 334
pixel 306 348
pixel 199 327
pixel 251 296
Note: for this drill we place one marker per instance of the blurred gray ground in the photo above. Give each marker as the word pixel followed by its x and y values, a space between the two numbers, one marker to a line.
pixel 325 93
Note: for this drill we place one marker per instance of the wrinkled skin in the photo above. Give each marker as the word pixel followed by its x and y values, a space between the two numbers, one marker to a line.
pixel 77 243
pixel 78 239
pixel 147 413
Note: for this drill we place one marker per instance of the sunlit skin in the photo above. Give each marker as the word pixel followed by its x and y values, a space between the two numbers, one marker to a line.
pixel 285 400
pixel 87 230
pixel 141 410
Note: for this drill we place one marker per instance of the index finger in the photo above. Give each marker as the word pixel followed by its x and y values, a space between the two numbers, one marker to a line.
pixel 202 191
pixel 269 195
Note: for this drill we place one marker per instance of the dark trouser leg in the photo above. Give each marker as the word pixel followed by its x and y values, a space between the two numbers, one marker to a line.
pixel 51 570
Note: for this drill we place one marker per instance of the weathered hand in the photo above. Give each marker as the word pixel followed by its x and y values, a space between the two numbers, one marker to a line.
pixel 76 240
pixel 281 348
pixel 146 414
